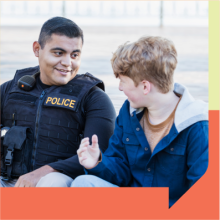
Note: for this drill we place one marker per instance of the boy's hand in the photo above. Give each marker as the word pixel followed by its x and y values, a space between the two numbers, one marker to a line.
pixel 89 154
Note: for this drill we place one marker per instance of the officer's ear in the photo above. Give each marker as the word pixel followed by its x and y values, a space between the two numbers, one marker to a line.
pixel 36 48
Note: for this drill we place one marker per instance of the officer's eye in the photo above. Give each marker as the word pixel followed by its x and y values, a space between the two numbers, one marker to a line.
pixel 58 53
pixel 74 55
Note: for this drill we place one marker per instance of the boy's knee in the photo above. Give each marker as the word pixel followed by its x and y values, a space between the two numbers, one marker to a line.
pixel 55 179
pixel 83 181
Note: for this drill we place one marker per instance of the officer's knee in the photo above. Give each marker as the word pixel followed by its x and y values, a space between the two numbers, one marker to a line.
pixel 55 179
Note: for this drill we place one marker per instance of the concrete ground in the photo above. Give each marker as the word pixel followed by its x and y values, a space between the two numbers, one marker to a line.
pixel 100 42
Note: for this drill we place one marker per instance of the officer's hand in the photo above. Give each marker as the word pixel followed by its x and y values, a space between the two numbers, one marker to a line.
pixel 89 154
pixel 31 179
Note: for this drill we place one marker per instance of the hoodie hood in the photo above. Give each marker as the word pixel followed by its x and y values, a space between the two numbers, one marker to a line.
pixel 189 110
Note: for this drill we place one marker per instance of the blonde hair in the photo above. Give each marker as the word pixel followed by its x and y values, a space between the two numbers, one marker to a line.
pixel 150 58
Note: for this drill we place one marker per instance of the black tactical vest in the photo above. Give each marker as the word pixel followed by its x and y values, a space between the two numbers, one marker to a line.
pixel 55 115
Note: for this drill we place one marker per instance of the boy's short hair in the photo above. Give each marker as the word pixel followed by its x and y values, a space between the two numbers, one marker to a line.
pixel 150 58
pixel 60 26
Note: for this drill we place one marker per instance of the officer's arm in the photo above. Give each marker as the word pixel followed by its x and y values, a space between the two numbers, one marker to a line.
pixel 114 166
pixel 4 89
pixel 99 119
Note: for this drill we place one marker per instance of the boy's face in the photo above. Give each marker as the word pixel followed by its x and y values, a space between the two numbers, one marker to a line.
pixel 59 60
pixel 134 94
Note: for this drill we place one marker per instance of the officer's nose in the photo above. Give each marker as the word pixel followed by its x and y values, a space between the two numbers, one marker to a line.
pixel 66 61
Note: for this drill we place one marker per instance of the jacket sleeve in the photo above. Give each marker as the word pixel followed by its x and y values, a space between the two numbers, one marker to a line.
pixel 99 119
pixel 4 89
pixel 114 166
pixel 197 152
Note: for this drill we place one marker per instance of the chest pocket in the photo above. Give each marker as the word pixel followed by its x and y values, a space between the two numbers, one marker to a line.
pixel 20 108
pixel 22 98
pixel 131 146
pixel 172 159
pixel 61 101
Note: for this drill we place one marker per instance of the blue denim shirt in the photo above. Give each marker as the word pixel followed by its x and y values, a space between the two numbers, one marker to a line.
pixel 177 161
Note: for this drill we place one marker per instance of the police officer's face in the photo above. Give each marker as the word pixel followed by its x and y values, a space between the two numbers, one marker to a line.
pixel 59 60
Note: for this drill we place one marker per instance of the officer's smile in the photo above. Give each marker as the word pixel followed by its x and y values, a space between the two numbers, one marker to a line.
pixel 63 72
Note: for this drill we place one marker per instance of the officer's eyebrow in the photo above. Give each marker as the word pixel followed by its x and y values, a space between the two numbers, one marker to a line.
pixel 61 49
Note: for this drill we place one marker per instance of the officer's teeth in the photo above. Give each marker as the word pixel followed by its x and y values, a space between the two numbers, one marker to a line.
pixel 63 71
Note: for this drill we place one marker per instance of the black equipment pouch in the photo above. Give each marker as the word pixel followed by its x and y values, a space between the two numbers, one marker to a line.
pixel 17 148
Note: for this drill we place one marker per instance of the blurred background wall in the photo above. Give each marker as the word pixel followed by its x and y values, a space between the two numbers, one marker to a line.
pixel 112 13
pixel 106 25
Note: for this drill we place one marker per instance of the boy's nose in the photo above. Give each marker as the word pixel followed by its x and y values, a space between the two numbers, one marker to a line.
pixel 120 87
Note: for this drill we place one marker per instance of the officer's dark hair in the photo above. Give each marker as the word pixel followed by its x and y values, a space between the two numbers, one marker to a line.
pixel 60 26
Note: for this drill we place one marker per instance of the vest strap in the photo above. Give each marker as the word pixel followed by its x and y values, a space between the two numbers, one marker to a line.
pixel 54 134
pixel 19 117
pixel 58 148
pixel 58 122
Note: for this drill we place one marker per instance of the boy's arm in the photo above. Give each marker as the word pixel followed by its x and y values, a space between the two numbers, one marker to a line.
pixel 197 152
pixel 114 166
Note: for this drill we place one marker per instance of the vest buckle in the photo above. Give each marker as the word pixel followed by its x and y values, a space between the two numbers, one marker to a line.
pixel 9 157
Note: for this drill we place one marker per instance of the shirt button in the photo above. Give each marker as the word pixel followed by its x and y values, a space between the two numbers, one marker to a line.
pixel 146 148
pixel 172 149
pixel 127 139
pixel 137 129
pixel 149 169
pixel 132 115
pixel 70 90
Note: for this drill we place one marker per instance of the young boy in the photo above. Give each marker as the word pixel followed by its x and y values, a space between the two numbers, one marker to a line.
pixel 161 133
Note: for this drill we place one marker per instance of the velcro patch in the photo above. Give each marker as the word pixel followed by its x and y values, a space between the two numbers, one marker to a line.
pixel 61 101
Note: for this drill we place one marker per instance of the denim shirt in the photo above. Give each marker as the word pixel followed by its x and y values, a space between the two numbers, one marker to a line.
pixel 177 162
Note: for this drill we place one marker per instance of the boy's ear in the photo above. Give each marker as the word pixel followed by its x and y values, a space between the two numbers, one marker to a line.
pixel 36 48
pixel 146 87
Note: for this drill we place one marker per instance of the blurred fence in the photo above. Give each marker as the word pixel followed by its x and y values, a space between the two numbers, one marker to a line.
pixel 153 13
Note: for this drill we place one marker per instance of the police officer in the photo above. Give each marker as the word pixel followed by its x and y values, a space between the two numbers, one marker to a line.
pixel 59 110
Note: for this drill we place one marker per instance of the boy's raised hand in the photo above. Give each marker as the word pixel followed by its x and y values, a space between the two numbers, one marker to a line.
pixel 89 154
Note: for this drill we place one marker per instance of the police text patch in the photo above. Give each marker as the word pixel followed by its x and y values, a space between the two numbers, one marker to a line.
pixel 61 101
